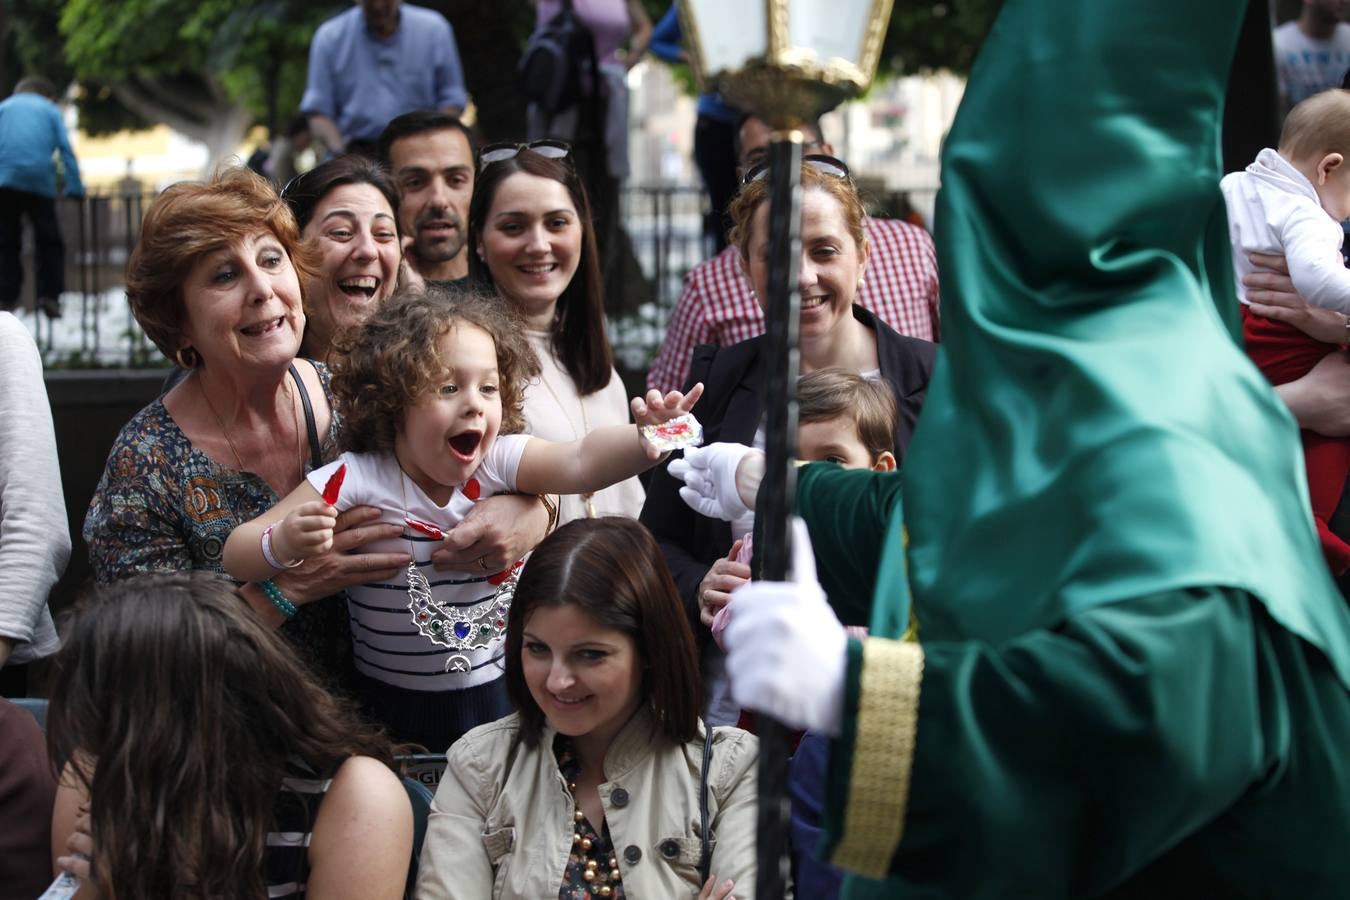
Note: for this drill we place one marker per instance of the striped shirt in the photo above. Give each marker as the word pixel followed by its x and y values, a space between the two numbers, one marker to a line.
pixel 388 644
pixel 286 858
pixel 718 307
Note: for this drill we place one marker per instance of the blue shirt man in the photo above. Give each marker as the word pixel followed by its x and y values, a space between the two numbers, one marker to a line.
pixel 31 130
pixel 376 61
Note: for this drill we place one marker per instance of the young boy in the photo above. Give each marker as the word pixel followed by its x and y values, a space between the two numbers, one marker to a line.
pixel 1291 201
pixel 845 418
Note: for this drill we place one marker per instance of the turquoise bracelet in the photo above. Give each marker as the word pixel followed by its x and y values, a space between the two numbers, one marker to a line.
pixel 273 593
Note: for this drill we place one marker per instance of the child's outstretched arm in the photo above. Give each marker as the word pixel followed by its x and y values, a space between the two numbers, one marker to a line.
pixel 301 526
pixel 604 457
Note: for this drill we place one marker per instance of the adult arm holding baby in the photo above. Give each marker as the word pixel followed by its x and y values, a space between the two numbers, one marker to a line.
pixel 1320 400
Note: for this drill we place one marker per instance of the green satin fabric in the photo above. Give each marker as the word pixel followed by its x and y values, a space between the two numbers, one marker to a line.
pixel 1092 431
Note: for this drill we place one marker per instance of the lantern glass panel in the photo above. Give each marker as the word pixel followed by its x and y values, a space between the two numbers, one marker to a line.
pixel 833 30
pixel 731 33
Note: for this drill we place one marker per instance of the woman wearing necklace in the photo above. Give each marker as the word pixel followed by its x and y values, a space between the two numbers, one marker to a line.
pixel 533 243
pixel 600 785
pixel 216 282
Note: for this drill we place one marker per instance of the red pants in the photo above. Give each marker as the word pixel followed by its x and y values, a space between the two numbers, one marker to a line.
pixel 1284 354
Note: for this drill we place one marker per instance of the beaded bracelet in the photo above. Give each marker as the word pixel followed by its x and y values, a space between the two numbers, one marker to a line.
pixel 273 593
pixel 268 555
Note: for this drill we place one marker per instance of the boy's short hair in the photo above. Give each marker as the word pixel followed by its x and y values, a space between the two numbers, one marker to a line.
pixel 1317 126
pixel 834 393
pixel 385 364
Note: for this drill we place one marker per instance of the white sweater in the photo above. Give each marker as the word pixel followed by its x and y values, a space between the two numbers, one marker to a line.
pixel 34 535
pixel 553 411
pixel 1273 208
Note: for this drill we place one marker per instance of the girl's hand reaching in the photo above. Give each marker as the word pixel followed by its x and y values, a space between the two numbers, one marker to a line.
pixel 656 408
pixel 306 531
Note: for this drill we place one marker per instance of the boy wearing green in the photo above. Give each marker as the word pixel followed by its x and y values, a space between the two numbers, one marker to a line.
pixel 1132 674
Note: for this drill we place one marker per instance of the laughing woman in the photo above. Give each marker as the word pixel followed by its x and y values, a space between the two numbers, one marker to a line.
pixel 834 332
pixel 347 208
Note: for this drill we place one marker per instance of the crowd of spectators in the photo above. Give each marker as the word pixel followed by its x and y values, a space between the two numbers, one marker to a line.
pixel 390 523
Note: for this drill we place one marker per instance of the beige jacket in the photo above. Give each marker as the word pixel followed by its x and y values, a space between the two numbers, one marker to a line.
pixel 501 824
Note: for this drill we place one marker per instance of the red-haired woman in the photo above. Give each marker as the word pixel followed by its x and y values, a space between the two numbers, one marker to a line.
pixel 217 281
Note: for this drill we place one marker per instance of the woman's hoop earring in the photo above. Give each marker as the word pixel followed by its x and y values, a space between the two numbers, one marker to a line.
pixel 187 358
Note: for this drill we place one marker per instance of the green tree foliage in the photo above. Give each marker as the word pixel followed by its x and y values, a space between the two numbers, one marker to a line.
pixel 929 36
pixel 187 59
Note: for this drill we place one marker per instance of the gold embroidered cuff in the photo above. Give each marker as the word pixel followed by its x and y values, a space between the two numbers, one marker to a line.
pixel 883 756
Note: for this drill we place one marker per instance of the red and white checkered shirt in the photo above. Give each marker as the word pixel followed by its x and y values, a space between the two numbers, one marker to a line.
pixel 718 307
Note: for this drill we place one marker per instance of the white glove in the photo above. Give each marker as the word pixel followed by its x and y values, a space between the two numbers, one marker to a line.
pixel 786 651
pixel 709 475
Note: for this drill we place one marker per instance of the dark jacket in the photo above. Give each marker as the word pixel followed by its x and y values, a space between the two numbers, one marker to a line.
pixel 731 409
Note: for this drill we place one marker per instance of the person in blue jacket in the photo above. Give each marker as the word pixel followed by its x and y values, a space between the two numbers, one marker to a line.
pixel 30 131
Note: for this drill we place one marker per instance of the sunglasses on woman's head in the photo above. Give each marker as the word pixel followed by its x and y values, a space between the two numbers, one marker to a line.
pixel 495 153
pixel 827 165
pixel 290 186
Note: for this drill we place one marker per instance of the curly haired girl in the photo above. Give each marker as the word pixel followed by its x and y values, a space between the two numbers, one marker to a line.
pixel 430 389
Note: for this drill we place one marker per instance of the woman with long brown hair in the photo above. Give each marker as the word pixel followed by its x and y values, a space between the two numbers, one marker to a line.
pixel 532 242
pixel 201 759
pixel 601 783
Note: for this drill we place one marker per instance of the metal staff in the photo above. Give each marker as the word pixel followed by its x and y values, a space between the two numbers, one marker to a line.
pixel 785 62
pixel 780 479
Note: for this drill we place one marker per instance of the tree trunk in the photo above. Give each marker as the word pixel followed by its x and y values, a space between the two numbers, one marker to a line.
pixel 490 37
pixel 196 107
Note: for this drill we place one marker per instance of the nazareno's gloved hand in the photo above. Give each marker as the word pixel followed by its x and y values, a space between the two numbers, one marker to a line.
pixel 786 650
pixel 709 475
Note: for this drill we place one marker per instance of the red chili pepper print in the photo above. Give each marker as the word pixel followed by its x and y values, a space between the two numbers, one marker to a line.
pixel 334 485
pixel 501 576
pixel 426 528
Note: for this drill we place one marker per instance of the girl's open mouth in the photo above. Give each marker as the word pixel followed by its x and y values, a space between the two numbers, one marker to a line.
pixel 464 444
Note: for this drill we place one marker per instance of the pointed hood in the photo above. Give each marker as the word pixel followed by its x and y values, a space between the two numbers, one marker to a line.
pixel 1093 432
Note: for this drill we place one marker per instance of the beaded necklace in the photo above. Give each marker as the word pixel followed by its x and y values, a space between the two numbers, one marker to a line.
pixel 584 879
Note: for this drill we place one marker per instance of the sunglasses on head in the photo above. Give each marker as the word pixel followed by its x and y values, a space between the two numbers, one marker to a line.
pixel 495 153
pixel 826 165
pixel 290 186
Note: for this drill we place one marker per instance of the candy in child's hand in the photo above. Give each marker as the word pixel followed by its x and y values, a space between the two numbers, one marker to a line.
pixel 334 485
pixel 426 528
pixel 674 434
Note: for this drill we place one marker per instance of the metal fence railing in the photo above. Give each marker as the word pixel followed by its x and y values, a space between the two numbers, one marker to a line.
pixel 664 225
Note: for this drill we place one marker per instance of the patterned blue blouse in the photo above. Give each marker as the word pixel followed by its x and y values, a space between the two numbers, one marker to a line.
pixel 164 506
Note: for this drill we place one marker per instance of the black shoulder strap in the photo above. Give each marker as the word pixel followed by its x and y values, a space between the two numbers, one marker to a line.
pixel 315 448
pixel 704 837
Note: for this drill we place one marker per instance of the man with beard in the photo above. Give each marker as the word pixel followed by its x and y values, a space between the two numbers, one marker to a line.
pixel 431 157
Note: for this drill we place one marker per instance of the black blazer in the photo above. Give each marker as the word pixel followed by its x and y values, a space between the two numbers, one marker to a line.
pixel 734 380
